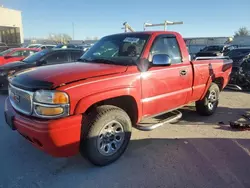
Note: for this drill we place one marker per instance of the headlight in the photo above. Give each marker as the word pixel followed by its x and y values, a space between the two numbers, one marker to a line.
pixel 51 97
pixel 51 104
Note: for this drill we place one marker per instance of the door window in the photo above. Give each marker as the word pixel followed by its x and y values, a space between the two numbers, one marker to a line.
pixel 58 57
pixel 168 46
pixel 75 55
pixel 16 54
pixel 23 53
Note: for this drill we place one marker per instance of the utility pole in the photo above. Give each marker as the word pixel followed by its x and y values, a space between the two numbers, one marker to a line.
pixel 73 30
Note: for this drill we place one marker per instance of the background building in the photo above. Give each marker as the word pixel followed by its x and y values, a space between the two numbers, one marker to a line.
pixel 11 28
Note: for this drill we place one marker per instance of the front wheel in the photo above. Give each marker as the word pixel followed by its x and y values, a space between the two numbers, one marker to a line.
pixel 106 132
pixel 208 105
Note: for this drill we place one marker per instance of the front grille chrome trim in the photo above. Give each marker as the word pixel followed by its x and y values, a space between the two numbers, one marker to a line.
pixel 30 94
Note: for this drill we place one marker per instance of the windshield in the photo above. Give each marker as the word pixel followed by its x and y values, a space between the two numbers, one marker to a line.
pixel 123 49
pixel 35 57
pixel 4 53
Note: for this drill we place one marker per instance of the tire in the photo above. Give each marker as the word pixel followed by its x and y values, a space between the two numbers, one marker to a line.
pixel 100 132
pixel 204 107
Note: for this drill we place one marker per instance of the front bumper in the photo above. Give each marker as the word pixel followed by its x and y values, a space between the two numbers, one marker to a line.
pixel 59 138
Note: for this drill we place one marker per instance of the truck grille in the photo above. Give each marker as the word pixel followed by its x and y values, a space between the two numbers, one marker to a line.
pixel 21 100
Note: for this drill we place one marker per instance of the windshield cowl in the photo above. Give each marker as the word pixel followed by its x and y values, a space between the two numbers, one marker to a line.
pixel 123 62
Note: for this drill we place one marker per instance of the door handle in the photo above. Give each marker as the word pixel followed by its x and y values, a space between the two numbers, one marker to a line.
pixel 183 72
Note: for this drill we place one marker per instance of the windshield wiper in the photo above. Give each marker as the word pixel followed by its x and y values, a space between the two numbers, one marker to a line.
pixel 83 60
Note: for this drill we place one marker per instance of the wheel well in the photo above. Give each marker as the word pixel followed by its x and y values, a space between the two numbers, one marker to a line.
pixel 127 103
pixel 220 82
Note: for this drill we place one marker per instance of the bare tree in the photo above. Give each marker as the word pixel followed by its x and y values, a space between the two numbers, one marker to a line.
pixel 243 31
pixel 60 38
pixel 88 38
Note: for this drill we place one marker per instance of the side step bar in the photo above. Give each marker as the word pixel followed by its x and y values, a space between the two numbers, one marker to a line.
pixel 234 87
pixel 176 115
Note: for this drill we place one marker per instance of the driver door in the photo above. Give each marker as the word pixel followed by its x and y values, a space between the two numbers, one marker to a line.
pixel 166 87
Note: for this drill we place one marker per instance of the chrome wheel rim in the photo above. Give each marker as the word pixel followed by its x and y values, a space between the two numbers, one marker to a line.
pixel 212 99
pixel 110 138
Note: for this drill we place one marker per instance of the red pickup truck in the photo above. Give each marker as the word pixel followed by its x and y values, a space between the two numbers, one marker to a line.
pixel 91 105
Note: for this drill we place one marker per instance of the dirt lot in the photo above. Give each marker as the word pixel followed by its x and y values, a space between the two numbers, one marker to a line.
pixel 196 152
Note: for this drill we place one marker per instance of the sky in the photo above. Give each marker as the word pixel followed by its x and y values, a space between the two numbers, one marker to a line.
pixel 97 18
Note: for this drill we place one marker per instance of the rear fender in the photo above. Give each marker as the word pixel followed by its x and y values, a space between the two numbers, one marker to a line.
pixel 210 80
pixel 88 101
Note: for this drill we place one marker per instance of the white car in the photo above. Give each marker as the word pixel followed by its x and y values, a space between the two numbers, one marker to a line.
pixel 41 46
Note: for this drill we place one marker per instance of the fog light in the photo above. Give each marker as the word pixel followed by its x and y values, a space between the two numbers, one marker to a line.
pixel 48 111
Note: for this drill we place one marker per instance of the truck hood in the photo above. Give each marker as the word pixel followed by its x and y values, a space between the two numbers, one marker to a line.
pixel 49 77
pixel 2 60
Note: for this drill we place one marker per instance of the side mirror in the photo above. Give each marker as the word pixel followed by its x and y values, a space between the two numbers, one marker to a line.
pixel 161 59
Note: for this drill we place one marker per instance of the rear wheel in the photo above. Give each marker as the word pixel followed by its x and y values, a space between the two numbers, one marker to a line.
pixel 208 105
pixel 105 136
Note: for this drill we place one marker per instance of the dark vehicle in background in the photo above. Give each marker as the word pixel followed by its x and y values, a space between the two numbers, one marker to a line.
pixel 240 75
pixel 237 55
pixel 44 57
pixel 215 50
pixel 3 47
pixel 15 54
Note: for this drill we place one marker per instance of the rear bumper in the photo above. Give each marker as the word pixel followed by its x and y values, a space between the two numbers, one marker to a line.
pixel 59 138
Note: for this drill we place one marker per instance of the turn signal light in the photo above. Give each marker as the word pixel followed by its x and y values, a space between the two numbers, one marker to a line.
pixel 48 111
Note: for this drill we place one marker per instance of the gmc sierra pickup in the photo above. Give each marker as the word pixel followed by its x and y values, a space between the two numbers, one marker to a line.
pixel 90 106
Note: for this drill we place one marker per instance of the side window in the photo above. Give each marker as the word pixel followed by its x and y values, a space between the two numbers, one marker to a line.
pixel 27 53
pixel 56 58
pixel 168 46
pixel 75 55
pixel 17 54
pixel 32 52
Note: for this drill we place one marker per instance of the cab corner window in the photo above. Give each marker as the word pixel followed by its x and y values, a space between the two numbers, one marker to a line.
pixel 168 46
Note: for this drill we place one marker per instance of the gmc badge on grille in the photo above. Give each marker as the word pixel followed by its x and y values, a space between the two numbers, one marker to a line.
pixel 16 98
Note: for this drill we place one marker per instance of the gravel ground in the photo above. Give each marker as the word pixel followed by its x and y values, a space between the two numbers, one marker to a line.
pixel 196 152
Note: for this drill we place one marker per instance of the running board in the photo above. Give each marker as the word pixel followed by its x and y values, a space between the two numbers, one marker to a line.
pixel 176 115
pixel 234 87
